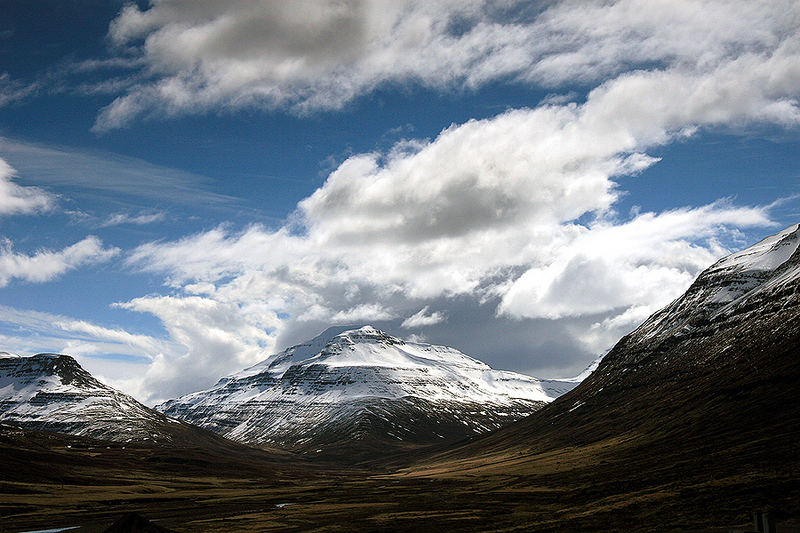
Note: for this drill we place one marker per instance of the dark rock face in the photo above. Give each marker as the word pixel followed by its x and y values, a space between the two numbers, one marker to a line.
pixel 52 392
pixel 360 385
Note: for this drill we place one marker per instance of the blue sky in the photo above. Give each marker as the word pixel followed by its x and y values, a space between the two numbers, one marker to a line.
pixel 187 187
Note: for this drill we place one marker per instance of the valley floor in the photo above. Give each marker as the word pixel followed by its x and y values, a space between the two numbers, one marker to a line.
pixel 605 486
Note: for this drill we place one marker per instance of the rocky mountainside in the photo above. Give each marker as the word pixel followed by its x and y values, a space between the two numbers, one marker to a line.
pixel 358 384
pixel 691 420
pixel 745 300
pixel 52 392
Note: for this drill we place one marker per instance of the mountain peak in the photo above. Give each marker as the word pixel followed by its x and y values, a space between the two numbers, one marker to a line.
pixel 52 392
pixel 364 334
pixel 351 381
pixel 766 255
pixel 731 282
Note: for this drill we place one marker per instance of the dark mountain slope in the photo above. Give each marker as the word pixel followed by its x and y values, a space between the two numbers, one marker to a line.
pixel 692 419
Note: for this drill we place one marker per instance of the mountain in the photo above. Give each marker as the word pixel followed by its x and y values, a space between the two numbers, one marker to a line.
pixel 52 392
pixel 691 420
pixel 359 385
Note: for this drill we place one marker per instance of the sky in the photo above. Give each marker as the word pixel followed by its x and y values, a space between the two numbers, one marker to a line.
pixel 188 186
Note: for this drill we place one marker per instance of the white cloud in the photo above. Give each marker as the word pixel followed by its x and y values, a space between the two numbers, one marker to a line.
pixel 214 338
pixel 606 332
pixel 139 220
pixel 45 265
pixel 15 199
pixel 201 56
pixel 644 262
pixel 416 338
pixel 423 318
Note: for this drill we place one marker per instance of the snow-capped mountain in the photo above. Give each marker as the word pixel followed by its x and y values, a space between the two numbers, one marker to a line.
pixel 53 392
pixel 733 334
pixel 727 303
pixel 358 383
pixel 727 285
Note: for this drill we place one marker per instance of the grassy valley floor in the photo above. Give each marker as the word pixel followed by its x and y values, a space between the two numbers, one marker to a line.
pixel 628 483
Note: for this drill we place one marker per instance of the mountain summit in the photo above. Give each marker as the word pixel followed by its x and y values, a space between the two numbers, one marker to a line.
pixel 52 392
pixel 359 384
pixel 726 286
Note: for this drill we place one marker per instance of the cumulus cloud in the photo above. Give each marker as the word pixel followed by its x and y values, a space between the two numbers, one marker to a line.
pixel 423 318
pixel 45 265
pixel 305 56
pixel 489 210
pixel 214 337
pixel 16 199
pixel 643 263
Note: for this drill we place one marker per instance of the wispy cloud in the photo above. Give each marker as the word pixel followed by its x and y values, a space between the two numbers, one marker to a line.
pixel 76 171
pixel 13 91
pixel 138 220
pixel 16 199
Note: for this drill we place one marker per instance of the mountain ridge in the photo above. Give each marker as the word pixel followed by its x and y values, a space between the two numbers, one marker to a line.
pixel 690 429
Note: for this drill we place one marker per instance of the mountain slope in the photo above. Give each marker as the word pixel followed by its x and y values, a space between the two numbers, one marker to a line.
pixel 360 384
pixel 52 392
pixel 693 419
